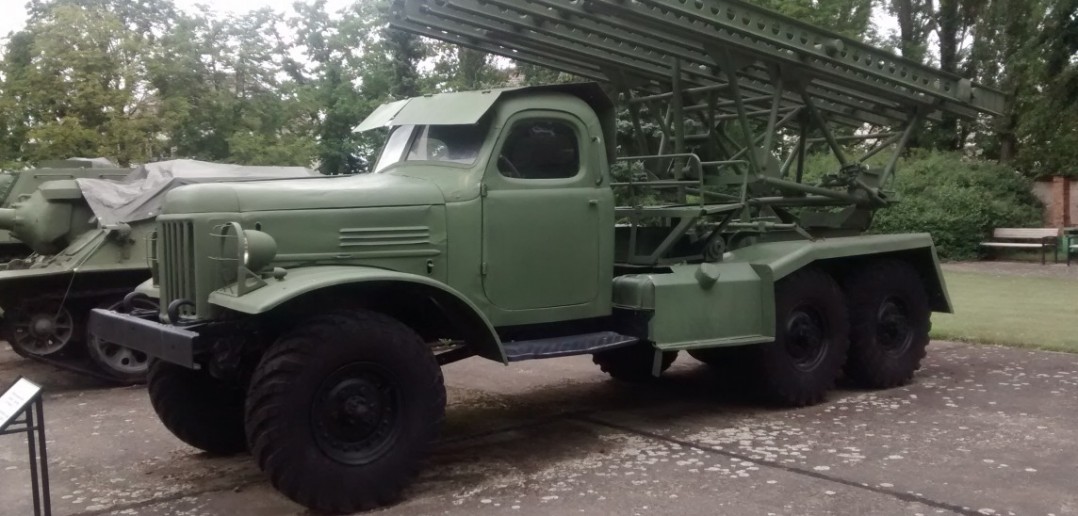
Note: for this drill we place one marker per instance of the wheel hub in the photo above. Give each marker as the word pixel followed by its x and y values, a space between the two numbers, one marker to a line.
pixel 118 360
pixel 894 331
pixel 355 413
pixel 805 338
pixel 42 326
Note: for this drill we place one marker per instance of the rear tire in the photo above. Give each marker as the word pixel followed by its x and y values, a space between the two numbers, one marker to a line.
pixel 722 358
pixel 632 363
pixel 197 408
pixel 811 339
pixel 889 323
pixel 342 410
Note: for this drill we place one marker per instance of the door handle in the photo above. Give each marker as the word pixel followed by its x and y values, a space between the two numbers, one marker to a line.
pixel 593 202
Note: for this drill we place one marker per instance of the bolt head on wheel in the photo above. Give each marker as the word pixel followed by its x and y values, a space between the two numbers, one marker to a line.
pixel 356 412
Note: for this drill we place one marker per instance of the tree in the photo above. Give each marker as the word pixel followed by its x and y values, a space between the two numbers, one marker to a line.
pixel 915 22
pixel 76 79
pixel 850 18
pixel 1047 132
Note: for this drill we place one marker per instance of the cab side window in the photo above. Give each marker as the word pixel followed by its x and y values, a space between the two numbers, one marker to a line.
pixel 540 149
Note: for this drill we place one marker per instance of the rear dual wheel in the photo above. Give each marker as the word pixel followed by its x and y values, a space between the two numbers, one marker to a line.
pixel 890 319
pixel 811 339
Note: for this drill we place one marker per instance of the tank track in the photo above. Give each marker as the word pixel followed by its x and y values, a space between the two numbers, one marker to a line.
pixel 74 357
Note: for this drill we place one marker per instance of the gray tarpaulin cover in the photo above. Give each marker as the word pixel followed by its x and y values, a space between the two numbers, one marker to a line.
pixel 141 194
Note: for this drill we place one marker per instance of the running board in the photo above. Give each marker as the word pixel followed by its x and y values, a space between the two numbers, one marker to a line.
pixel 583 344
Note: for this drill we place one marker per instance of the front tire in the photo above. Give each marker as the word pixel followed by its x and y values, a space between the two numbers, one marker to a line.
pixel 890 319
pixel 342 410
pixel 811 339
pixel 197 408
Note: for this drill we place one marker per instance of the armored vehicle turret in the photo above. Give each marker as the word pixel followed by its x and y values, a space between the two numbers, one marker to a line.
pixel 16 186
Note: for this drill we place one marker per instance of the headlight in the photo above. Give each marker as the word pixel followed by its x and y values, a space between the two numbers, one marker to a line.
pixel 257 250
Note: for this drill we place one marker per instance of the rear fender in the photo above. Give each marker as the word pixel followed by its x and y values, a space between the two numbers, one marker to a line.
pixel 776 260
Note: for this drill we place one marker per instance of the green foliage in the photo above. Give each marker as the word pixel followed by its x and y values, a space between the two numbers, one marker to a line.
pixel 959 201
pixel 847 17
pixel 138 80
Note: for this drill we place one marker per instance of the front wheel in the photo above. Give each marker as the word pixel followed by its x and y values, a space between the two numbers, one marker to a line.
pixel 811 339
pixel 342 410
pixel 197 408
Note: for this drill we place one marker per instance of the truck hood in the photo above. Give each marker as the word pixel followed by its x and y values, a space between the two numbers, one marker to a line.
pixel 359 191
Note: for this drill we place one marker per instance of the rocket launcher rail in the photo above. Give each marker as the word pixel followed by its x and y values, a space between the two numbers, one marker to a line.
pixel 740 96
pixel 639 44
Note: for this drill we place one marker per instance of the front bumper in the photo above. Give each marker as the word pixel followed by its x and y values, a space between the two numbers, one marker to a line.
pixel 161 341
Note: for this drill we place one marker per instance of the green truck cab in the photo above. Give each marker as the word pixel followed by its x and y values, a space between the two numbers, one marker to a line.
pixel 307 318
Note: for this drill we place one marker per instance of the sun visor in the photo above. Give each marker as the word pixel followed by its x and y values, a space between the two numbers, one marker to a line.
pixel 460 108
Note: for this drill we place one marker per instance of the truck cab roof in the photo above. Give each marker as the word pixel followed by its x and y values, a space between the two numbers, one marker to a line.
pixel 468 107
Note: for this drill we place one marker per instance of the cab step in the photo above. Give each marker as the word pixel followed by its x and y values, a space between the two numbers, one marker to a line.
pixel 583 344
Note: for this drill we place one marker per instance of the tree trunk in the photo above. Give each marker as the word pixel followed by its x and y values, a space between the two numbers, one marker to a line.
pixel 949 28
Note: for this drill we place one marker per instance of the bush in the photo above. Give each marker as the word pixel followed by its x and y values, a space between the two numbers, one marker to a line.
pixel 959 201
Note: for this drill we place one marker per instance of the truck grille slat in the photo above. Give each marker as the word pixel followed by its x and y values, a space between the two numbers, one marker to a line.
pixel 177 263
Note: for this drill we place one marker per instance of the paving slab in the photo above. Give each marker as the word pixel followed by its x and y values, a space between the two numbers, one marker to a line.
pixel 982 430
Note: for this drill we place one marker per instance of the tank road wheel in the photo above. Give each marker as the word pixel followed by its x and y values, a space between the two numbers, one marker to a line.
pixel 632 363
pixel 39 328
pixel 125 365
pixel 342 410
pixel 811 339
pixel 889 323
pixel 197 408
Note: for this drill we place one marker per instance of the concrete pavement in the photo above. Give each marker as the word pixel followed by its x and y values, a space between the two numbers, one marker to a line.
pixel 983 430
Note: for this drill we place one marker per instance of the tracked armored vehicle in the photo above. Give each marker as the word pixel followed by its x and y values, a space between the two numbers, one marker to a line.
pixel 87 233
pixel 15 186
pixel 307 320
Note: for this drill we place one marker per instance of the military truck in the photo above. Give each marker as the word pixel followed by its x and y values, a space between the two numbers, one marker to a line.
pixel 307 321
pixel 14 186
pixel 87 233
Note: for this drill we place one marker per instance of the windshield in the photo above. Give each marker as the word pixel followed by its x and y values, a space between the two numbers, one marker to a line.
pixel 443 143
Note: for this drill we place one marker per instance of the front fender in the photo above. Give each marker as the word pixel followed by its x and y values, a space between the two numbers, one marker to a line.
pixel 306 280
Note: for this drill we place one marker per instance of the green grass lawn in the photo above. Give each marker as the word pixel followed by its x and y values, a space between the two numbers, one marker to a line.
pixel 1010 310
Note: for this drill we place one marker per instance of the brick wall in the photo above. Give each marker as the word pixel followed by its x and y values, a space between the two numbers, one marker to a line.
pixel 1060 198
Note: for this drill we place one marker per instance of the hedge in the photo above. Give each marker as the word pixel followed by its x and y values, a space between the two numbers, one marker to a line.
pixel 957 199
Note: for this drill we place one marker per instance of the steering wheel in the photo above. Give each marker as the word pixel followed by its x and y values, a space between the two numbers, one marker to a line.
pixel 512 169
pixel 437 150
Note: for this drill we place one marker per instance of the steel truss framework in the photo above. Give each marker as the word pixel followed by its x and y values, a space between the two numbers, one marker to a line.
pixel 757 89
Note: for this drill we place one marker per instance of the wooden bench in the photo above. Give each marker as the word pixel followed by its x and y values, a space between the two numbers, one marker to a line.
pixel 1027 238
pixel 1071 245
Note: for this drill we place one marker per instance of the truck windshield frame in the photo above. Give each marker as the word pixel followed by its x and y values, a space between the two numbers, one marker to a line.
pixel 455 145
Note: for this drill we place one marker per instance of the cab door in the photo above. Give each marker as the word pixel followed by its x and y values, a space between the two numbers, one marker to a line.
pixel 541 215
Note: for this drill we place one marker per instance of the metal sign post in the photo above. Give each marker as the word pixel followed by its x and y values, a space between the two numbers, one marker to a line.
pixel 22 411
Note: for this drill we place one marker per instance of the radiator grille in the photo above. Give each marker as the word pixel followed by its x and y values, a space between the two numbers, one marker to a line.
pixel 177 262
